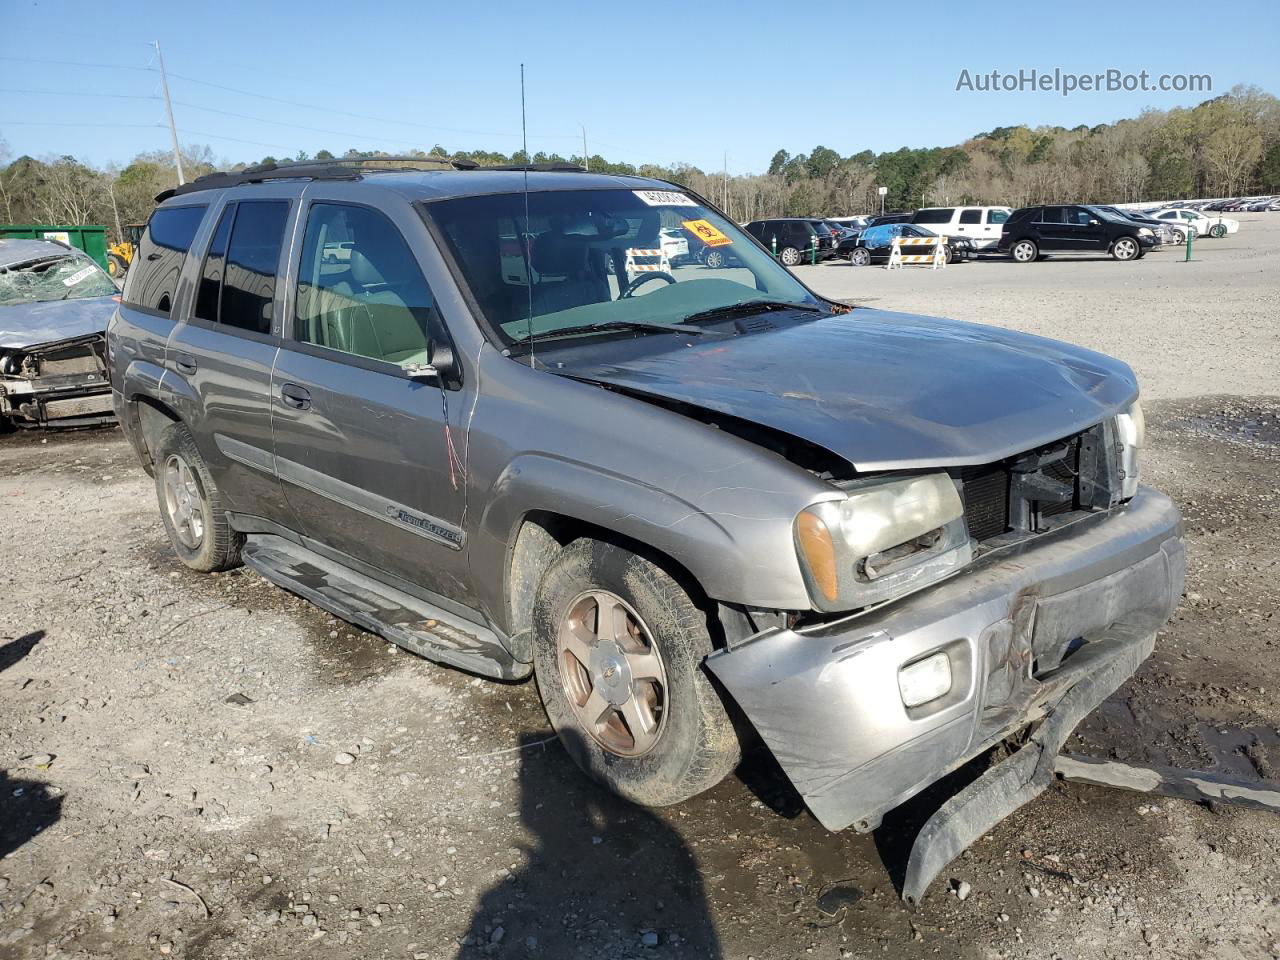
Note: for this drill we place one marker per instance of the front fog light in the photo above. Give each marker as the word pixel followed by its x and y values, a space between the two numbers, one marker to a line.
pixel 925 680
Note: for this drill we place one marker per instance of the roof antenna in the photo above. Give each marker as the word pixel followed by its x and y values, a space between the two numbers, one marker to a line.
pixel 524 237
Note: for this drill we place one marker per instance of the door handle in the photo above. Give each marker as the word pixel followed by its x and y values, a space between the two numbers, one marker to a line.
pixel 185 363
pixel 295 396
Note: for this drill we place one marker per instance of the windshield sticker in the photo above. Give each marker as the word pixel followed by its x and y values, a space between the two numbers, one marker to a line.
pixel 704 231
pixel 79 275
pixel 665 198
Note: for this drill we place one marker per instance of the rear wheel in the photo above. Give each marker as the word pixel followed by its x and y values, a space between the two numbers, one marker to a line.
pixel 1218 230
pixel 191 505
pixel 116 266
pixel 1126 248
pixel 860 257
pixel 713 259
pixel 618 658
pixel 789 256
pixel 1025 251
pixel 1179 237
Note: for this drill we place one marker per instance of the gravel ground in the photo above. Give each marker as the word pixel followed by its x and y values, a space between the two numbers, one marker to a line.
pixel 208 767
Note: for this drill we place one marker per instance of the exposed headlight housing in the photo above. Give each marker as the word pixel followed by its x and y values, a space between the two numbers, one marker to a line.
pixel 1131 431
pixel 884 539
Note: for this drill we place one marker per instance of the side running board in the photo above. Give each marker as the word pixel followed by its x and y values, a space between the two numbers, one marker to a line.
pixel 404 620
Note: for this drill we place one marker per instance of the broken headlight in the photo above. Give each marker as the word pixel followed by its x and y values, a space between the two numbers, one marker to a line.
pixel 884 539
pixel 1131 430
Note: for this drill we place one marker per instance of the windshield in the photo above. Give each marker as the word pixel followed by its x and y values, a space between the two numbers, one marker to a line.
pixel 53 278
pixel 586 258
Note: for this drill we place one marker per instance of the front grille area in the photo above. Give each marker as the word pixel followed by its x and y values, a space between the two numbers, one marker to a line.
pixel 986 500
pixel 1002 497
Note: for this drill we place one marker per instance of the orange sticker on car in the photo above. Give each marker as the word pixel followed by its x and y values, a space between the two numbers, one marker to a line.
pixel 704 231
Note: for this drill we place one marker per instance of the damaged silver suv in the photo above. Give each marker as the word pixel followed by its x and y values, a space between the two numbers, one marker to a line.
pixel 694 501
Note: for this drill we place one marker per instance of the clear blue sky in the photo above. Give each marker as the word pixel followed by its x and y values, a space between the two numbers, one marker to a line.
pixel 650 82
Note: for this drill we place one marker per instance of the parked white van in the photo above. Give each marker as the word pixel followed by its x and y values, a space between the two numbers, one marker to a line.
pixel 982 225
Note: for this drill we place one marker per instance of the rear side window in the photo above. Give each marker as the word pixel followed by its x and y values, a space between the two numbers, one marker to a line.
pixel 1054 215
pixel 970 216
pixel 152 283
pixel 939 215
pixel 253 256
pixel 997 216
pixel 371 300
pixel 210 292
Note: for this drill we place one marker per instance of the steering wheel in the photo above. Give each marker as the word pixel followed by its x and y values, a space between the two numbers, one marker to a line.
pixel 634 285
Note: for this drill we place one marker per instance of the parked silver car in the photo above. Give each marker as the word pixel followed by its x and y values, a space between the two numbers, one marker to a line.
pixel 887 543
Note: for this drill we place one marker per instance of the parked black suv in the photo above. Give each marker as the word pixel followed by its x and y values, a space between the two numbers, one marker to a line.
pixel 793 239
pixel 1073 228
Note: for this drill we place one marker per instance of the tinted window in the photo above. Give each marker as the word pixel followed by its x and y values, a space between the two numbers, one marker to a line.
pixel 970 216
pixel 252 258
pixel 1079 216
pixel 163 248
pixel 214 261
pixel 373 301
pixel 1054 215
pixel 940 215
pixel 997 216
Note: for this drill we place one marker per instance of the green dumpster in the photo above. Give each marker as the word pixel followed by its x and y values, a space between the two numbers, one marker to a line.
pixel 91 239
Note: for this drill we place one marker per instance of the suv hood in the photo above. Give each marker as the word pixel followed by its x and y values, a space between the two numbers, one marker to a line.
pixel 28 324
pixel 888 391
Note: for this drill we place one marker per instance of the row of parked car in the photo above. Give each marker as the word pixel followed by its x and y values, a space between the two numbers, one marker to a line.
pixel 1026 234
pixel 1269 204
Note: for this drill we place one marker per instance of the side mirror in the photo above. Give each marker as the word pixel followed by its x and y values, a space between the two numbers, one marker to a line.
pixel 1093 222
pixel 439 367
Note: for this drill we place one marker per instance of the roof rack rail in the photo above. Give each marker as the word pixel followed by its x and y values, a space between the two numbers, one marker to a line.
pixel 556 166
pixel 339 168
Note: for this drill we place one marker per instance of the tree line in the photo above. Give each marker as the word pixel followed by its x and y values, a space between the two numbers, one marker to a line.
pixel 1227 146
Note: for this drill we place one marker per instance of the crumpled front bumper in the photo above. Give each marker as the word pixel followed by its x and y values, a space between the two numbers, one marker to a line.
pixel 1023 626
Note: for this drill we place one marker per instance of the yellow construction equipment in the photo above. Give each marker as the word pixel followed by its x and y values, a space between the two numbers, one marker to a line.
pixel 120 255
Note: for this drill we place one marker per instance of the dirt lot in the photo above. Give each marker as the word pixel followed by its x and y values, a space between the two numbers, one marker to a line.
pixel 208 767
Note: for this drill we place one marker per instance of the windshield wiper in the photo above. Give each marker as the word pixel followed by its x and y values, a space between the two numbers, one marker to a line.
pixel 748 307
pixel 609 325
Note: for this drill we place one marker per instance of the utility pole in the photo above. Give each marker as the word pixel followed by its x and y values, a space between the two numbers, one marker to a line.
pixel 586 157
pixel 168 106
pixel 726 181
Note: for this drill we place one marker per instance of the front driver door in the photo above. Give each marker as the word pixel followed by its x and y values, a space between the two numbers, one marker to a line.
pixel 369 456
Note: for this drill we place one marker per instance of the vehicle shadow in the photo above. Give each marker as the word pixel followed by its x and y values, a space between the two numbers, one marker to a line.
pixel 15 650
pixel 601 877
pixel 26 808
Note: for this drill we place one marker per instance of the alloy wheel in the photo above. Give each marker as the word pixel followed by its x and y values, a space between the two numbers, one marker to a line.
pixel 613 674
pixel 184 502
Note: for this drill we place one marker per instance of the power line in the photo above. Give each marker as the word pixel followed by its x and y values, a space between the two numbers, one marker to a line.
pixel 79 93
pixel 77 63
pixel 296 126
pixel 59 123
pixel 362 116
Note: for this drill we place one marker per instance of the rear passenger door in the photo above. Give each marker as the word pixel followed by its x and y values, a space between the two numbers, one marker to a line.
pixel 369 456
pixel 1054 230
pixel 223 353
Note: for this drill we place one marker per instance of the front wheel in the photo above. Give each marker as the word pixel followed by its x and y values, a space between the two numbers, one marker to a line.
pixel 861 257
pixel 1025 251
pixel 1126 248
pixel 618 655
pixel 789 256
pixel 1218 231
pixel 713 259
pixel 116 266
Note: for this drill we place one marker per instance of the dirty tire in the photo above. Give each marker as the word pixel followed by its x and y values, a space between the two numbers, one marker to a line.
pixel 860 257
pixel 1025 251
pixel 789 256
pixel 697 746
pixel 219 546
pixel 116 266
